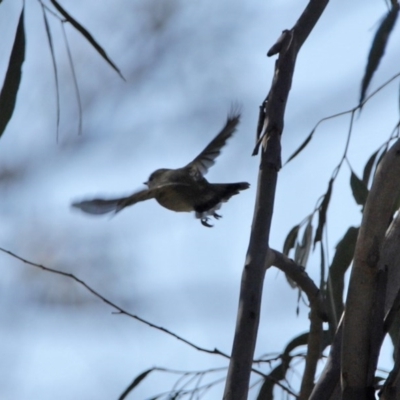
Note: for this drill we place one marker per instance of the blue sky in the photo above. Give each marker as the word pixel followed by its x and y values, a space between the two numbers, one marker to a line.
pixel 184 63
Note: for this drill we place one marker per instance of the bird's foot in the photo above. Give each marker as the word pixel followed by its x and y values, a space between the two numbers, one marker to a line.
pixel 204 222
pixel 217 216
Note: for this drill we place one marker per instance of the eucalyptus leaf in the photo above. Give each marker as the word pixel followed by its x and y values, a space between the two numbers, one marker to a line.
pixel 12 80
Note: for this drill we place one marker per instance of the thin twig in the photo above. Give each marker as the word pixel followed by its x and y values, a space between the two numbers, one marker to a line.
pixel 124 312
pixel 113 305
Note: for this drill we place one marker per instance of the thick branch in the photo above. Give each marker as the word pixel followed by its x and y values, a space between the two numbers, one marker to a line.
pixel 330 376
pixel 362 288
pixel 391 388
pixel 391 259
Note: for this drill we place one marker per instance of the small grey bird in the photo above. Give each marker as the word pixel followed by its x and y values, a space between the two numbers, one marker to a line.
pixel 182 189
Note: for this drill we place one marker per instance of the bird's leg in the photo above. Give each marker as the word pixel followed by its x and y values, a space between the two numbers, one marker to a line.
pixel 217 216
pixel 204 222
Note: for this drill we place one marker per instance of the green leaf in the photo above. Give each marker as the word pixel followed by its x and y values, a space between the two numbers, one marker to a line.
pixel 75 81
pixel 368 168
pixel 303 249
pixel 302 146
pixel 341 261
pixel 378 48
pixel 360 191
pixel 322 212
pixel 290 239
pixel 300 340
pixel 87 35
pixel 322 266
pixel 277 374
pixel 135 382
pixel 381 157
pixel 12 79
pixel 53 59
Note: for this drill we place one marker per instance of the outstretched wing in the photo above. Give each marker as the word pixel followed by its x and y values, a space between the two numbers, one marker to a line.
pixel 207 157
pixel 101 206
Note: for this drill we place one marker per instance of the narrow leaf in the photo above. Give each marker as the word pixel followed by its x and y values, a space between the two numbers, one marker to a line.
pixel 398 99
pixel 53 59
pixel 87 35
pixel 368 168
pixel 303 248
pixel 381 157
pixel 378 48
pixel 290 239
pixel 76 86
pixel 360 191
pixel 322 213
pixel 322 274
pixel 300 340
pixel 341 261
pixel 135 382
pixel 277 374
pixel 302 146
pixel 344 253
pixel 12 80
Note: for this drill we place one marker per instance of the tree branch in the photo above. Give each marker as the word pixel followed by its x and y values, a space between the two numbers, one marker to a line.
pixel 258 254
pixel 361 297
pixel 119 309
pixel 298 274
pixel 391 388
pixel 330 377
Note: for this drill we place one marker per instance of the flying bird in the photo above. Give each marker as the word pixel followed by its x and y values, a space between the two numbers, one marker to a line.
pixel 183 189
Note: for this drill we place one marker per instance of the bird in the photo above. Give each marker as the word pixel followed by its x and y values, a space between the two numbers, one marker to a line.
pixel 183 189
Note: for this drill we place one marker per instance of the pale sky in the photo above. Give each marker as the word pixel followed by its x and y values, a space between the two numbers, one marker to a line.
pixel 185 64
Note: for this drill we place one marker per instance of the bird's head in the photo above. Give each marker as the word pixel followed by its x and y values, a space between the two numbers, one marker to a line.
pixel 157 178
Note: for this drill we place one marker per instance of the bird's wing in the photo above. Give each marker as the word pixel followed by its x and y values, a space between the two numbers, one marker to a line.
pixel 207 157
pixel 101 206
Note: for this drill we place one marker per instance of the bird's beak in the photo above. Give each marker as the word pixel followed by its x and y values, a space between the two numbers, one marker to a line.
pixel 146 183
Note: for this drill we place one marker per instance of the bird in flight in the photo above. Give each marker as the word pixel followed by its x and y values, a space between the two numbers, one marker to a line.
pixel 183 189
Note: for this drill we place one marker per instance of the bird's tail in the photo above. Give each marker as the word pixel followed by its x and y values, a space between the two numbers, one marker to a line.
pixel 99 206
pixel 223 192
pixel 228 190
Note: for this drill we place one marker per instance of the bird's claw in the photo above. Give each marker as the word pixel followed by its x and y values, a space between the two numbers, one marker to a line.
pixel 217 216
pixel 204 222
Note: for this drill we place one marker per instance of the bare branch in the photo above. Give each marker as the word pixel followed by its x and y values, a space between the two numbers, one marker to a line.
pixel 329 380
pixel 119 309
pixel 298 274
pixel 258 254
